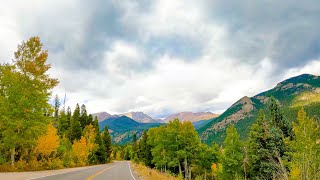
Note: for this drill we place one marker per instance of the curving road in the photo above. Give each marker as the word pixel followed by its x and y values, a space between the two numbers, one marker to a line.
pixel 119 170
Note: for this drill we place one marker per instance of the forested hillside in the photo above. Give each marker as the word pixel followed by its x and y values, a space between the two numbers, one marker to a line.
pixel 290 94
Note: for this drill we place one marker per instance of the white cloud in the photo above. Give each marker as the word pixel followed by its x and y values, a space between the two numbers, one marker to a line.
pixel 111 62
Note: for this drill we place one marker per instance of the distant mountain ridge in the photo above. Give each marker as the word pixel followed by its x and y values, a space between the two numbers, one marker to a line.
pixel 122 128
pixel 190 116
pixel 140 117
pixel 144 118
pixel 137 116
pixel 291 94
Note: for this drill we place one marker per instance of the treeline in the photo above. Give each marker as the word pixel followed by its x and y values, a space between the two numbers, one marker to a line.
pixel 276 148
pixel 35 135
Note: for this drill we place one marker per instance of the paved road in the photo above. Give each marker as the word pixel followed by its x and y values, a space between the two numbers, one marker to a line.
pixel 119 170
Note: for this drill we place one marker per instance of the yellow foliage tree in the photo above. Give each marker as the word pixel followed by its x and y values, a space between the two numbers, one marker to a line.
pixel 85 146
pixel 80 151
pixel 90 136
pixel 48 143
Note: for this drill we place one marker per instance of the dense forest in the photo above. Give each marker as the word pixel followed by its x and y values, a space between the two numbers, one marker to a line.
pixel 36 135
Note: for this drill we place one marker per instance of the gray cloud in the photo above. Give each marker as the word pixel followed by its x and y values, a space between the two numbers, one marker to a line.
pixel 166 56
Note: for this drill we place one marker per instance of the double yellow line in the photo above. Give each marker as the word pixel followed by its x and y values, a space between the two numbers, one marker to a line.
pixel 98 173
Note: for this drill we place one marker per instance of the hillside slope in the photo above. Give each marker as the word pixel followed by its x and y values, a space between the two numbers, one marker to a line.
pixel 291 94
pixel 190 116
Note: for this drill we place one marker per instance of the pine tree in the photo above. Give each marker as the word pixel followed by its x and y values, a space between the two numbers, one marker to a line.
pixel 101 153
pixel 278 119
pixel 56 110
pixel 106 138
pixel 90 119
pixel 233 154
pixel 144 149
pixel 83 116
pixel 75 130
pixel 69 114
pixel 263 150
pixel 63 123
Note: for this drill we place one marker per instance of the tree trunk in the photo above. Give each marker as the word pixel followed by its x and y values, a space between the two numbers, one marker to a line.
pixel 180 171
pixel 13 152
pixel 205 175
pixel 185 168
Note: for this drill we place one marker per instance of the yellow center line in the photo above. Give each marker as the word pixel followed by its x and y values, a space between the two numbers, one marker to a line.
pixel 99 172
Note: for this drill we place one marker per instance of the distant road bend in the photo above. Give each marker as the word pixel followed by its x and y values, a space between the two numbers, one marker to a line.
pixel 118 170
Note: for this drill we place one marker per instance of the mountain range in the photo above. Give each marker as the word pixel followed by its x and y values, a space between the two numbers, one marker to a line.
pixel 123 126
pixel 144 118
pixel 291 94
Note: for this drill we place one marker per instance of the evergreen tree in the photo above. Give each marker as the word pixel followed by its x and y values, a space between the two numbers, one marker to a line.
pixel 56 110
pixel 83 116
pixel 75 130
pixel 263 150
pixel 63 123
pixel 90 119
pixel 69 114
pixel 101 153
pixel 278 119
pixel 134 146
pixel 233 154
pixel 106 138
pixel 144 149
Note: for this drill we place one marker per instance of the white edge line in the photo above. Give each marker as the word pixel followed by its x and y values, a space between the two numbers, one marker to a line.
pixel 58 173
pixel 131 171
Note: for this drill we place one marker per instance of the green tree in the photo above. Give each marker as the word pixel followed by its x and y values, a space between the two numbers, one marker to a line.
pixel 106 138
pixel 305 162
pixel 278 119
pixel 263 150
pixel 75 130
pixel 56 110
pixel 233 155
pixel 83 116
pixel 206 156
pixel 25 88
pixel 69 114
pixel 144 154
pixel 63 123
pixel 101 153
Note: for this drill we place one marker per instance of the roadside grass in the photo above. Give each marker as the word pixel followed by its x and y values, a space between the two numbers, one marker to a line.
pixel 146 173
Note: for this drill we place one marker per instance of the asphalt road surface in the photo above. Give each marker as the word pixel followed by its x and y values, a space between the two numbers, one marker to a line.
pixel 119 170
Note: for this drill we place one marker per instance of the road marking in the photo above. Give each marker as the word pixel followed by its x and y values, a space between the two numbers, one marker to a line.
pixel 58 173
pixel 131 172
pixel 98 173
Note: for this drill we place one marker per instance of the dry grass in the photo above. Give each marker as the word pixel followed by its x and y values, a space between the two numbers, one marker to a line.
pixel 146 173
pixel 306 99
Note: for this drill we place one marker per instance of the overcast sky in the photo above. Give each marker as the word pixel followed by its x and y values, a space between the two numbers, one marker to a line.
pixel 166 56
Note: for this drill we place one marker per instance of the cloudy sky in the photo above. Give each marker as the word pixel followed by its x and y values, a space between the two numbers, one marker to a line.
pixel 166 56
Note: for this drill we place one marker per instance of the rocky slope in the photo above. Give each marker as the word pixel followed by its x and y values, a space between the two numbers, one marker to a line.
pixel 190 116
